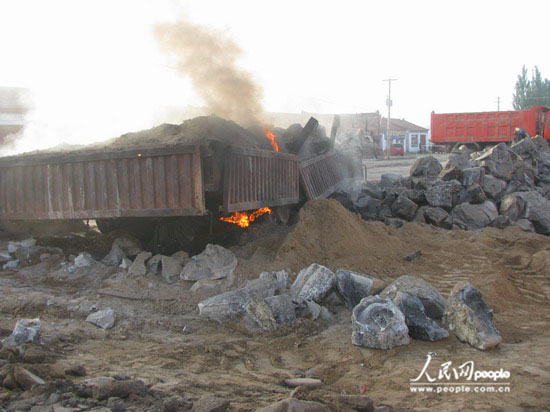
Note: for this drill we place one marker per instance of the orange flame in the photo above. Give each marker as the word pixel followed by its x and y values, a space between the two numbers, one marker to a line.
pixel 243 219
pixel 272 138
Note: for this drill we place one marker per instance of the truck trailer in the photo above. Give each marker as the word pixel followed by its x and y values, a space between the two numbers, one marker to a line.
pixel 482 129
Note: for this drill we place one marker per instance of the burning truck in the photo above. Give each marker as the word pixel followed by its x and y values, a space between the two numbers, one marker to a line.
pixel 205 167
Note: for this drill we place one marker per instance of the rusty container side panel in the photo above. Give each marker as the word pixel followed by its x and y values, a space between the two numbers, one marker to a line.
pixel 146 183
pixel 255 178
pixel 321 175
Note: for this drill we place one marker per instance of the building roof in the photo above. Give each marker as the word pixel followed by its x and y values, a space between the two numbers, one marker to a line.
pixel 401 125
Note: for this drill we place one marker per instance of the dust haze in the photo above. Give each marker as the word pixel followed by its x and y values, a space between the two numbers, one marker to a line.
pixel 209 59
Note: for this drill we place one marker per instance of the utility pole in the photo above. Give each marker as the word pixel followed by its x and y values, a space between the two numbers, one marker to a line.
pixel 389 104
pixel 498 104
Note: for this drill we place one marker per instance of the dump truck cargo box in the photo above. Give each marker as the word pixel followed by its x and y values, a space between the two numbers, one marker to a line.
pixel 133 183
pixel 159 182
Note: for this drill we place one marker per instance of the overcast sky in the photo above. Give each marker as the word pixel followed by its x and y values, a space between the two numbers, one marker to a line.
pixel 97 71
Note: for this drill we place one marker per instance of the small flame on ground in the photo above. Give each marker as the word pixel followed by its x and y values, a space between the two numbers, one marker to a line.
pixel 272 138
pixel 243 219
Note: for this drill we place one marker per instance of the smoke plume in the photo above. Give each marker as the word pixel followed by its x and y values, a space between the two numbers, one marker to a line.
pixel 209 58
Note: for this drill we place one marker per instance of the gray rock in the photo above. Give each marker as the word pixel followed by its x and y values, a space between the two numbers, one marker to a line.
pixel 282 308
pixel 498 161
pixel 231 305
pixel 25 244
pixel 258 316
pixel 314 311
pixel 525 225
pixel 450 172
pixel 104 318
pixel 171 269
pixel 373 190
pixel 116 404
pixel 444 194
pixel 473 175
pixel 378 323
pixel 427 166
pixel 138 266
pixel 416 195
pixel 528 205
pixel 313 283
pixel 26 379
pixel 210 404
pixel 470 318
pixel 355 286
pixel 153 265
pixel 394 222
pixel 294 405
pixel 501 222
pixel 404 208
pixel 434 303
pixel 280 278
pixel 523 178
pixel 471 217
pixel 474 194
pixel 125 263
pixel 459 159
pixel 115 255
pixel 391 179
pixel 420 326
pixel 434 215
pixel 25 331
pixel 216 262
pixel 129 245
pixel 182 257
pixel 525 148
pixel 493 187
pixel 12 264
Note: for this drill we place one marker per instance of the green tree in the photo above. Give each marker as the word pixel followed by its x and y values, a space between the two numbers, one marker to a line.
pixel 531 92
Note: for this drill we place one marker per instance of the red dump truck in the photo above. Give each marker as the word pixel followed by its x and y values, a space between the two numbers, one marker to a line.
pixel 487 128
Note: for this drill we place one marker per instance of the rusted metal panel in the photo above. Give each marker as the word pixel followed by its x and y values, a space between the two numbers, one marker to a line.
pixel 255 178
pixel 321 175
pixel 133 183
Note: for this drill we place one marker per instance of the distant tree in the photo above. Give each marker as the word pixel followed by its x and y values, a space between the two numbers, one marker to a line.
pixel 534 92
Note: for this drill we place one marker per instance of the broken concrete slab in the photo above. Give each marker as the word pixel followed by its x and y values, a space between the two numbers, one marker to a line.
pixel 104 318
pixel 138 267
pixel 313 283
pixel 467 216
pixel 434 303
pixel 215 262
pixel 421 327
pixel 378 323
pixel 354 286
pixel 470 318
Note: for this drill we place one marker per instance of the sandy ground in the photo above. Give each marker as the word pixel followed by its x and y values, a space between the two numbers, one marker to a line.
pixel 396 164
pixel 159 338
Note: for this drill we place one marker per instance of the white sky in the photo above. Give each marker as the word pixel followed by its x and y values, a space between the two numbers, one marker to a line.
pixel 97 71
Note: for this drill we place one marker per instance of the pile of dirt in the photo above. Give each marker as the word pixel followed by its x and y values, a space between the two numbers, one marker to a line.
pixel 197 130
pixel 202 130
pixel 328 234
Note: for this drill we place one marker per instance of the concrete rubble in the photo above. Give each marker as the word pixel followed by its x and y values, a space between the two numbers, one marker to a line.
pixel 104 318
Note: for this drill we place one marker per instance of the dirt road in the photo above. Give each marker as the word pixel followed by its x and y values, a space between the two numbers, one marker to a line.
pixel 396 164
